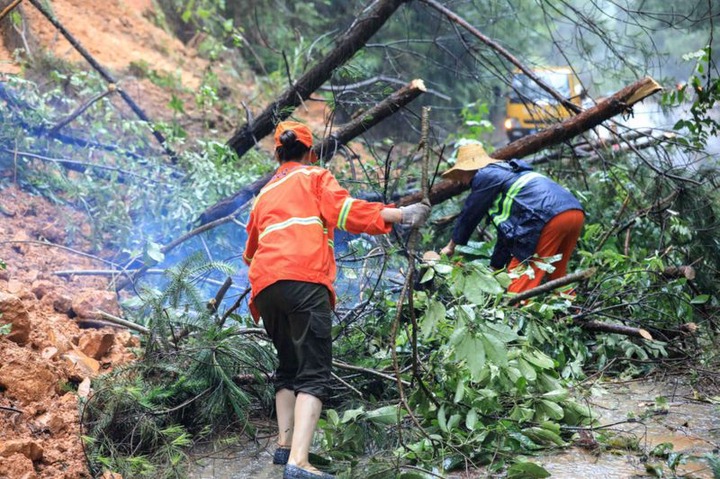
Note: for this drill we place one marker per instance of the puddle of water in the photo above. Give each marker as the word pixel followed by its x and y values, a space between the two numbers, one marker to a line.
pixel 692 427
pixel 243 461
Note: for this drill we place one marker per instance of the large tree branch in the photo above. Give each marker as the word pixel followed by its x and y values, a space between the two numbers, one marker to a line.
pixel 611 106
pixel 327 148
pixel 364 27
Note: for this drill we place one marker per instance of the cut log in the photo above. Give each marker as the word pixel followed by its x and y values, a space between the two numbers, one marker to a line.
pixel 362 29
pixel 551 285
pixel 676 272
pixel 618 103
pixel 615 329
pixel 325 149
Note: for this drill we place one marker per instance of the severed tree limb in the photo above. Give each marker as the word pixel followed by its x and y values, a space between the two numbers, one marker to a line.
pixel 82 109
pixel 362 29
pixel 10 409
pixel 106 75
pixel 454 17
pixel 80 166
pixel 327 148
pixel 615 104
pixel 111 318
pixel 551 285
pixel 676 272
pixel 9 9
pixel 615 328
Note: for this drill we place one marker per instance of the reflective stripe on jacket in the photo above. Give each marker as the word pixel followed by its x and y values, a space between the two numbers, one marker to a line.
pixel 292 223
pixel 518 201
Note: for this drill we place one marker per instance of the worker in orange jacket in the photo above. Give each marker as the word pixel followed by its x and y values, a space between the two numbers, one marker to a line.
pixel 292 268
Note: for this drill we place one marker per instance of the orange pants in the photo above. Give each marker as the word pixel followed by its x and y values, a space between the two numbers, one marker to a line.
pixel 558 236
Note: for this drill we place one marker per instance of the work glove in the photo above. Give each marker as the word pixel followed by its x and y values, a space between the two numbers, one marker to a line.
pixel 415 215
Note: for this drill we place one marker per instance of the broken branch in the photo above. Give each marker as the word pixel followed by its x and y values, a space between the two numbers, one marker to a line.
pixel 613 105
pixel 551 285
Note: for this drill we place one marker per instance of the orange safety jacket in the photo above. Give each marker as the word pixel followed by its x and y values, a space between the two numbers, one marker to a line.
pixel 292 223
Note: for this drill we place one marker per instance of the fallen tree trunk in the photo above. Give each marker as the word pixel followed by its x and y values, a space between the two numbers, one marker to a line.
pixel 364 27
pixel 611 106
pixel 325 149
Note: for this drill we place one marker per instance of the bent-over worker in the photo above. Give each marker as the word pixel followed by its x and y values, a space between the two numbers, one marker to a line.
pixel 292 268
pixel 535 217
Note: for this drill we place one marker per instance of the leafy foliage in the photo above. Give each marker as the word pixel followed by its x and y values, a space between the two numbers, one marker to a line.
pixel 195 378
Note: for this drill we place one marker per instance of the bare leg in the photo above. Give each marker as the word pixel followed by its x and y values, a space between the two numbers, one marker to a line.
pixel 285 406
pixel 307 413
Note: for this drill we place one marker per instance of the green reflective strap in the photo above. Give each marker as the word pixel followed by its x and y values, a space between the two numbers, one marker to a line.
pixel 344 212
pixel 509 199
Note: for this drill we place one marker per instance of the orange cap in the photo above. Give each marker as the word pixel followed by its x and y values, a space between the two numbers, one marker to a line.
pixel 302 132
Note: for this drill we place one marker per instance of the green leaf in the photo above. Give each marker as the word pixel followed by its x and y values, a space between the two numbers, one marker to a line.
pixel 495 349
pixel 442 268
pixel 526 369
pixel 473 352
pixel 700 299
pixel 553 410
pixel 351 415
pixel 333 417
pixel 543 436
pixel 539 359
pixel 442 421
pixel 471 419
pixel 428 275
pixel 527 470
pixel 484 282
pixel 385 415
pixel 154 252
pixel 459 391
pixel 502 332
pixel 434 313
pixel 556 395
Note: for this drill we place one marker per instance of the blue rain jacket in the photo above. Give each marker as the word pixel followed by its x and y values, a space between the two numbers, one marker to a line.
pixel 518 201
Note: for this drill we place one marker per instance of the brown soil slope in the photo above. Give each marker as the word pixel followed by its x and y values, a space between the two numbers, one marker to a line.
pixel 46 361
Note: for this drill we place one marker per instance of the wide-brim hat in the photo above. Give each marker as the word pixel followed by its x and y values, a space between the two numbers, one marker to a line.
pixel 469 158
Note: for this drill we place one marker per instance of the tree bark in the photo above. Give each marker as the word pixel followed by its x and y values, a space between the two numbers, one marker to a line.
pixel 551 285
pixel 325 149
pixel 615 329
pixel 676 272
pixel 364 27
pixel 617 103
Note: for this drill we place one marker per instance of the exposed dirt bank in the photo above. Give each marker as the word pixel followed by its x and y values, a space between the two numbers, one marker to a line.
pixel 47 362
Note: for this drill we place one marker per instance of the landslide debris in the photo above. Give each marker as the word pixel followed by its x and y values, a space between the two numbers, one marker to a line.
pixel 47 362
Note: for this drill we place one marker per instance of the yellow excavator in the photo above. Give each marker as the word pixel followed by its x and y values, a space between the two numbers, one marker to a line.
pixel 529 108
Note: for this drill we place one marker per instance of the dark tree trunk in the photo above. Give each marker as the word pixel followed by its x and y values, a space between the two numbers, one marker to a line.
pixel 364 27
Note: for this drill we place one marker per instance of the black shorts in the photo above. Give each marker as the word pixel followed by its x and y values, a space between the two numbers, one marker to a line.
pixel 298 318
